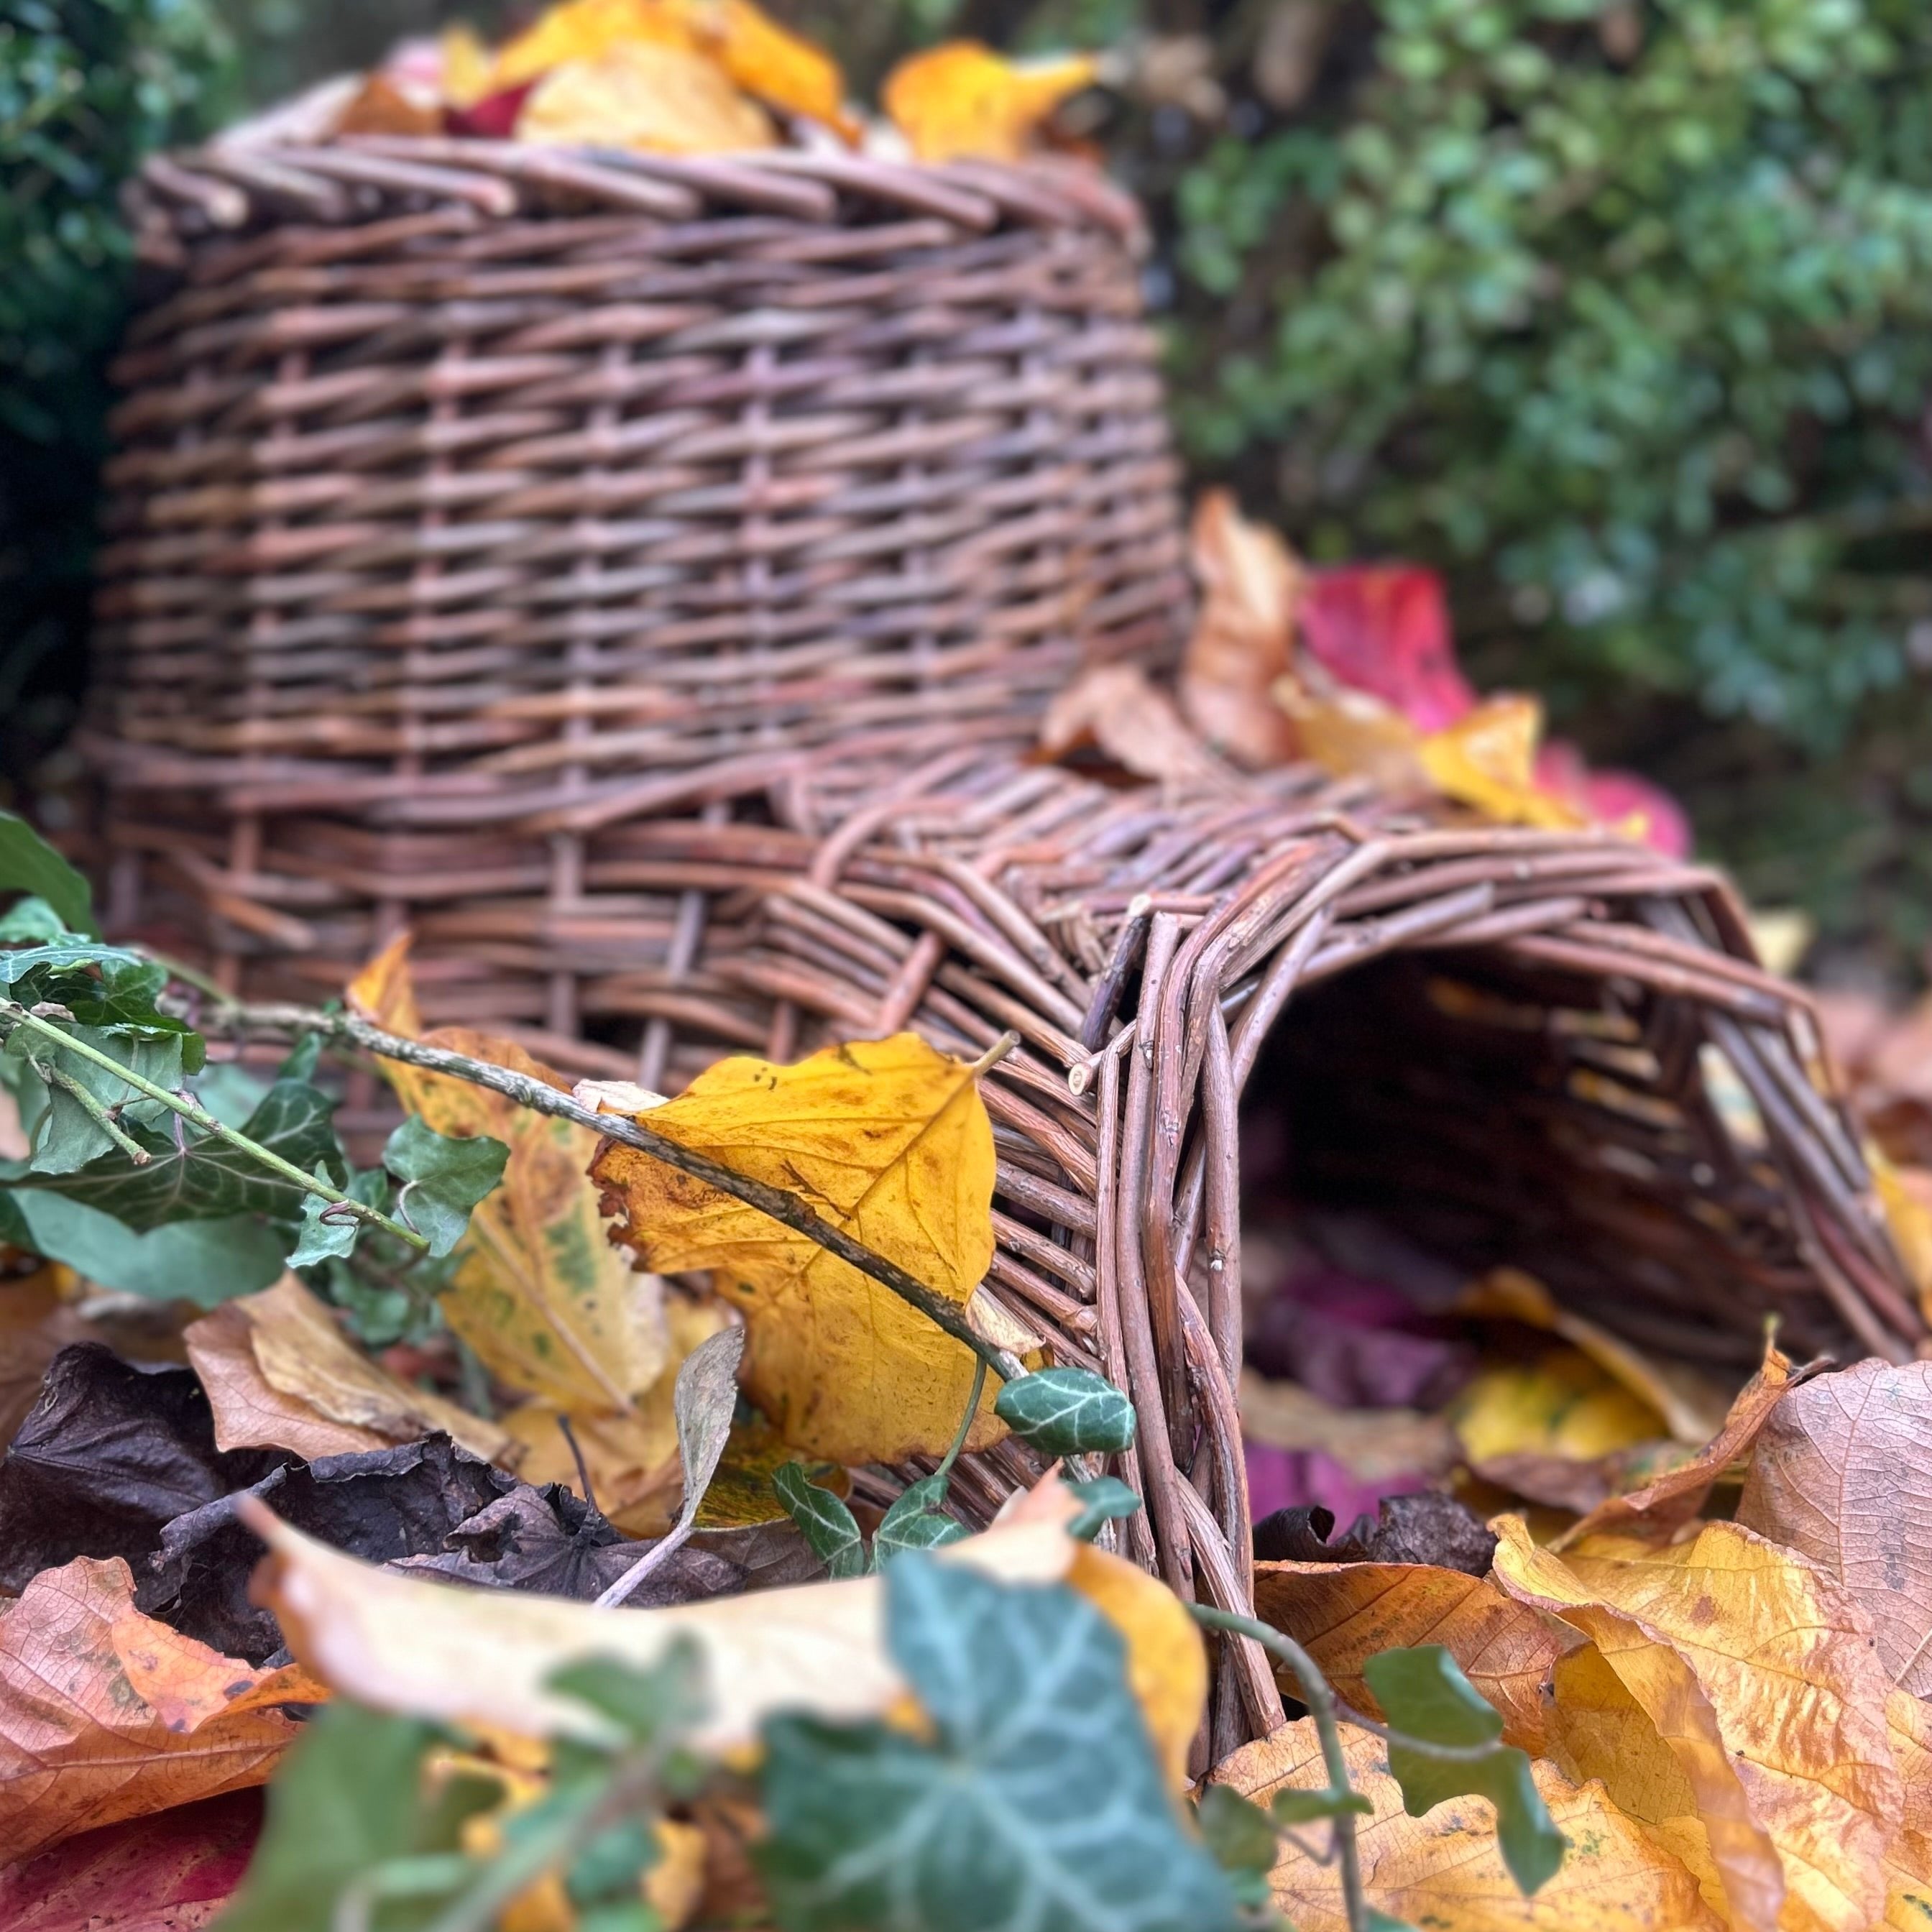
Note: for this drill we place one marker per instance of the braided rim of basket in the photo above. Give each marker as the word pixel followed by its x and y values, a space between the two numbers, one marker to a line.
pixel 235 185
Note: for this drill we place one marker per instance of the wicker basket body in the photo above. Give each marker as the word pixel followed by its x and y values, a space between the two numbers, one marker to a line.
pixel 1552 1051
pixel 476 506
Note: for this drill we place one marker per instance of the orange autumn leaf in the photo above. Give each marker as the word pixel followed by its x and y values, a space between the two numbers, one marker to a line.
pixel 106 1714
pixel 783 69
pixel 660 99
pixel 1444 1870
pixel 586 30
pixel 1487 761
pixel 1243 636
pixel 1118 710
pixel 1908 1860
pixel 963 102
pixel 1757 1673
pixel 1343 1614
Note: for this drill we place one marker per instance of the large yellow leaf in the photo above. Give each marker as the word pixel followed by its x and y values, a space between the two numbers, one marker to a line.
pixel 889 1141
pixel 1757 1673
pixel 583 30
pixel 1445 1871
pixel 780 68
pixel 657 98
pixel 962 101
pixel 1343 1614
pixel 1908 1863
pixel 548 1305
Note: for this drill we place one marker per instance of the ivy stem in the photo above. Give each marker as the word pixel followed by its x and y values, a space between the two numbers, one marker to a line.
pixel 13 1016
pixel 542 1098
pixel 96 1110
pixel 965 1421
pixel 1320 1699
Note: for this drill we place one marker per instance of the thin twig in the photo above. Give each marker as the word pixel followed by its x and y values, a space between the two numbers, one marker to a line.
pixel 96 1111
pixel 540 1097
pixel 577 1456
pixel 1320 1699
pixel 12 1016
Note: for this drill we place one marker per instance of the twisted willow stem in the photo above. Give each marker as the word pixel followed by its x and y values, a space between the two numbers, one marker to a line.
pixel 235 1018
pixel 14 1018
pixel 1320 1699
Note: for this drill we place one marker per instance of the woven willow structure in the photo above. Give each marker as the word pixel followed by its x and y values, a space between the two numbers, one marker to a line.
pixel 643 579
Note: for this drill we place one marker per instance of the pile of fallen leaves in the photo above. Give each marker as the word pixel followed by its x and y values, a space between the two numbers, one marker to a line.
pixel 695 77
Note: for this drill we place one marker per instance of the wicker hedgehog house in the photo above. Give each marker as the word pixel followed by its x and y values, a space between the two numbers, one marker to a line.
pixel 643 579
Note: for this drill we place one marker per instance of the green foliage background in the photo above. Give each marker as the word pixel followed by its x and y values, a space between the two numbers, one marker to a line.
pixel 1620 313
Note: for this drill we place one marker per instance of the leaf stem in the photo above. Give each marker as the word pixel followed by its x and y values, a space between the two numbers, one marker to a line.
pixel 1320 1699
pixel 96 1110
pixel 12 1016
pixel 952 1455
pixel 542 1097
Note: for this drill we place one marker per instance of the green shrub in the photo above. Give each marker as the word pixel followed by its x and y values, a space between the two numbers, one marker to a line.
pixel 1624 315
pixel 87 88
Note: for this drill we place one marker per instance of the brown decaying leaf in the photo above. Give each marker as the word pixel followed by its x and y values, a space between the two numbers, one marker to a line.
pixel 106 1714
pixel 1444 1870
pixel 888 1140
pixel 1427 1526
pixel 1243 636
pixel 1842 1474
pixel 278 1370
pixel 1672 1498
pixel 543 1298
pixel 1344 1613
pixel 1116 708
pixel 1376 1445
pixel 1757 1673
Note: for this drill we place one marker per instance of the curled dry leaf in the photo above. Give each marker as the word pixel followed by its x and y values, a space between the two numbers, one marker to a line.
pixel 1243 637
pixel 484 1657
pixel 1343 1614
pixel 1445 1870
pixel 106 1714
pixel 279 1371
pixel 1672 1498
pixel 1842 1474
pixel 1116 708
pixel 963 102
pixel 1757 1674
pixel 885 1139
pixel 543 1298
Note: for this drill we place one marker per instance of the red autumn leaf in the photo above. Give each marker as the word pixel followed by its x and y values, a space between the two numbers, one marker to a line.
pixel 1383 629
pixel 1619 799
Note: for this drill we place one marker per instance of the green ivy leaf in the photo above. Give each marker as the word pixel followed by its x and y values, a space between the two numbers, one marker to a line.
pixel 1067 1412
pixel 443 1178
pixel 822 1519
pixel 915 1521
pixel 349 1798
pixel 30 920
pixel 26 966
pixel 29 864
pixel 202 1262
pixel 1309 1807
pixel 1038 1801
pixel 1425 1697
pixel 324 1239
pixel 67 1137
pixel 1242 1837
pixel 208 1179
pixel 1103 1500
pixel 644 1705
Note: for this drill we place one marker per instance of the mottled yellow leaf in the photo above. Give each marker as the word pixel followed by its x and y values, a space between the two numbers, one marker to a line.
pixel 1908 1862
pixel 1445 1872
pixel 1561 1405
pixel 539 1293
pixel 962 101
pixel 1757 1673
pixel 887 1140
pixel 1344 1613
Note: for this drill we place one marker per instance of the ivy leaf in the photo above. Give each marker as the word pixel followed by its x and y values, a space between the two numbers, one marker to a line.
pixel 24 966
pixel 67 1137
pixel 1038 1801
pixel 209 1179
pixel 29 864
pixel 30 919
pixel 1309 1807
pixel 443 1179
pixel 1067 1412
pixel 664 1701
pixel 1243 1838
pixel 203 1261
pixel 1425 1696
pixel 916 1522
pixel 348 1799
pixel 322 1240
pixel 1102 1500
pixel 822 1519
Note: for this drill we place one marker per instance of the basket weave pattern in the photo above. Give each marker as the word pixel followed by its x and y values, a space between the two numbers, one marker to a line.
pixel 475 502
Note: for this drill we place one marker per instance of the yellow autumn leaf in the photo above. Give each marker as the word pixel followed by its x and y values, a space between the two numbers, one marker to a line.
pixel 1343 1614
pixel 659 99
pixel 1561 1405
pixel 585 30
pixel 467 75
pixel 1444 1870
pixel 783 69
pixel 963 102
pixel 549 1306
pixel 1487 761
pixel 889 1141
pixel 1757 1673
pixel 1905 1196
pixel 1908 1860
